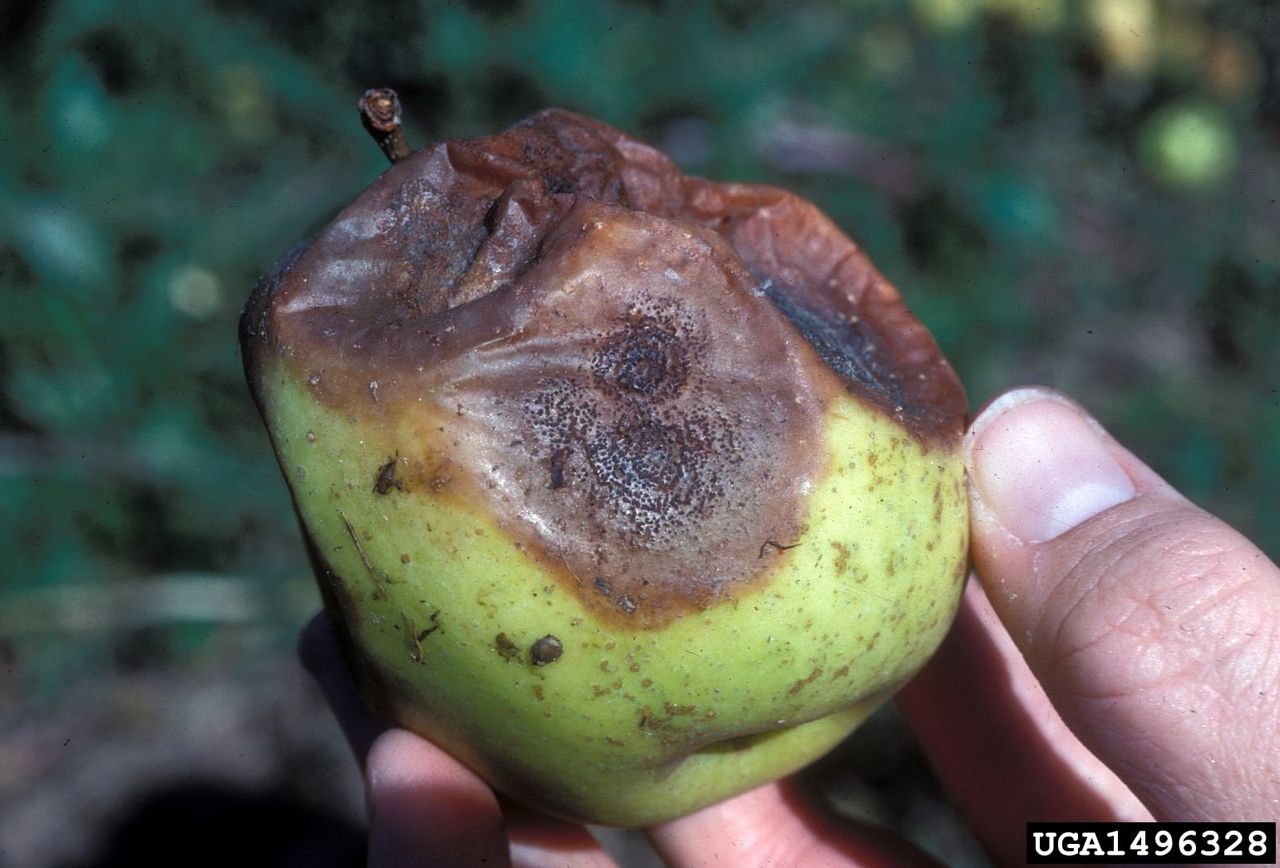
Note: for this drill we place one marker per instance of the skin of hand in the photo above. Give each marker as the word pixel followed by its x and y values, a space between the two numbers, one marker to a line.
pixel 1119 660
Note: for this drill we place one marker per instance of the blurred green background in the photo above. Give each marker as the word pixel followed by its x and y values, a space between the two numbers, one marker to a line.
pixel 1078 194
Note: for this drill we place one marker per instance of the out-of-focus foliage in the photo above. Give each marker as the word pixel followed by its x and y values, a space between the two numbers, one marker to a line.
pixel 1079 194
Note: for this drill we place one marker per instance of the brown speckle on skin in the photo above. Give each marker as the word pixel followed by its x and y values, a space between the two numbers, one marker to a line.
pixel 805 682
pixel 842 672
pixel 842 557
pixel 546 650
pixel 506 649
pixel 538 693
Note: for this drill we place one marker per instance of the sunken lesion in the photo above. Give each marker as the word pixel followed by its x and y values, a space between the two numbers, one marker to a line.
pixel 650 465
pixel 650 468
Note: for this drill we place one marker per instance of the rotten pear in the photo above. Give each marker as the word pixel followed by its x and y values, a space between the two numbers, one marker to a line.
pixel 632 490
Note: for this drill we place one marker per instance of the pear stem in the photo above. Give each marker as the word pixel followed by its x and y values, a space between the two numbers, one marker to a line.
pixel 380 113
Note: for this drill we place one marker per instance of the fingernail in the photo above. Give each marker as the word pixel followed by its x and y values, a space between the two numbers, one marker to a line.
pixel 1041 466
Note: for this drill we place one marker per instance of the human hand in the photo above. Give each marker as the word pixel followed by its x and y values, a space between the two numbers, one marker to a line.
pixel 1152 627
pixel 1145 624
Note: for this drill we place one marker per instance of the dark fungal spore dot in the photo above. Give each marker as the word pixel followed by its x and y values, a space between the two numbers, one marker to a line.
pixel 546 650
pixel 557 468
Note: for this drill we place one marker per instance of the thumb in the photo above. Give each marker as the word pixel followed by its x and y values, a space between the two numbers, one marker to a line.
pixel 1152 626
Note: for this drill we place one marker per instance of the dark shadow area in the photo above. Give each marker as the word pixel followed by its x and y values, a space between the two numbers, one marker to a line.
pixel 879 782
pixel 211 824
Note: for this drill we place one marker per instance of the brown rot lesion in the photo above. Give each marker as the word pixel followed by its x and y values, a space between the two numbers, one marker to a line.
pixel 638 391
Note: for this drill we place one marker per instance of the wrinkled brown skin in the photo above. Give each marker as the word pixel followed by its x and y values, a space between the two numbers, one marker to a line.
pixel 635 363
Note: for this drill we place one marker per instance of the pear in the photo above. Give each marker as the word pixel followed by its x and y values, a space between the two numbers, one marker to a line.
pixel 631 490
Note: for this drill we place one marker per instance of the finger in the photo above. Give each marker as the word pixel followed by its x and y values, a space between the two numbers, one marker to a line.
pixel 427 809
pixel 538 840
pixel 321 656
pixel 776 825
pixel 535 839
pixel 1152 625
pixel 999 748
